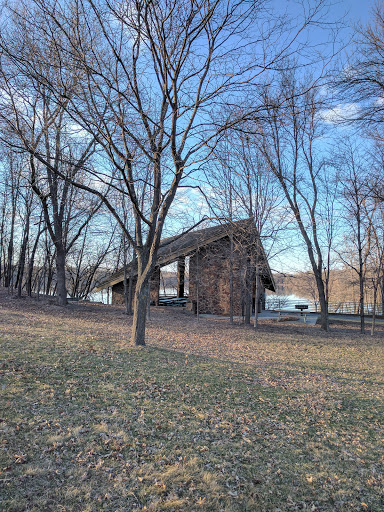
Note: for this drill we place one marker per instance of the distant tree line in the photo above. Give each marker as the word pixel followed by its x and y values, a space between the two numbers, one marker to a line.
pixel 28 240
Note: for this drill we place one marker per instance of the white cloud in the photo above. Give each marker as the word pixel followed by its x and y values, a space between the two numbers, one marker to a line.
pixel 380 101
pixel 340 113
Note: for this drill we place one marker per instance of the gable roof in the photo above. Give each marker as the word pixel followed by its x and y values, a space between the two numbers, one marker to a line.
pixel 175 247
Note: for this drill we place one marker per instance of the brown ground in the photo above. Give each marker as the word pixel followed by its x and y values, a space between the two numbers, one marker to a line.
pixel 284 418
pixel 176 329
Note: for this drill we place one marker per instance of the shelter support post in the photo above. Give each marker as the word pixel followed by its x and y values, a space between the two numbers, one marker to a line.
pixel 155 287
pixel 180 277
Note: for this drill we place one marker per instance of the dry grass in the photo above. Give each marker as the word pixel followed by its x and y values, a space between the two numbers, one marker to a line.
pixel 207 417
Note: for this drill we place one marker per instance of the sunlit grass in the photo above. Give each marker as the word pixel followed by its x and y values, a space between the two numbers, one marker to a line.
pixel 267 421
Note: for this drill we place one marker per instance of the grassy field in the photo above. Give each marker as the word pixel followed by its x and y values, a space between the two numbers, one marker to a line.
pixel 207 417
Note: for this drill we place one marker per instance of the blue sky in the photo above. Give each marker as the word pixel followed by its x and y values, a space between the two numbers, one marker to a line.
pixel 349 12
pixel 353 10
pixel 359 10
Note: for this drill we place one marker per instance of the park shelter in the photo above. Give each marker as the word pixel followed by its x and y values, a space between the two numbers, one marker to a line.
pixel 215 254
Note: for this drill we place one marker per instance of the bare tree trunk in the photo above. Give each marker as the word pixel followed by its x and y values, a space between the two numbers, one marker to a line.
pixel 324 317
pixel 2 232
pixel 140 311
pixel 48 268
pixel 257 291
pixel 48 278
pixel 247 286
pixel 60 276
pixel 125 281
pixel 126 286
pixel 9 268
pixel 197 286
pixel 23 251
pixel 38 285
pixel 231 278
pixel 130 289
pixel 361 268
pixel 374 308
pixel 77 281
pixel 361 306
pixel 382 295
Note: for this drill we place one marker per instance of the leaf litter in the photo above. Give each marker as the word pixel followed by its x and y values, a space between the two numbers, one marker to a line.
pixel 207 417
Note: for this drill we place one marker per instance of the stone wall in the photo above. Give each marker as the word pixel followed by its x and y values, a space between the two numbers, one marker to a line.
pixel 209 278
pixel 118 289
pixel 118 293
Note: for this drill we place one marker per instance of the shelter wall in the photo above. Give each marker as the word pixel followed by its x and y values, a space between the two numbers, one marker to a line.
pixel 118 289
pixel 118 293
pixel 209 277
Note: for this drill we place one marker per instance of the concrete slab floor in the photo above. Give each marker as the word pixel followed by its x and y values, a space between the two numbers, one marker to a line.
pixel 308 318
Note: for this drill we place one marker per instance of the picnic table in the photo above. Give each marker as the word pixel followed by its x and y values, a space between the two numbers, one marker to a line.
pixel 173 301
pixel 301 307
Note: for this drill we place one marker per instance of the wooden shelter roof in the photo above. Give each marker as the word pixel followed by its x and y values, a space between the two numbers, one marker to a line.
pixel 175 247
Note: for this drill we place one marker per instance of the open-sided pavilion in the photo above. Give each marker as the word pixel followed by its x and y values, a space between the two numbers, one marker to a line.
pixel 224 262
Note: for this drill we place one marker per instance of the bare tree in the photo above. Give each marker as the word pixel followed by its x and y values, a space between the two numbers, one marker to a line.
pixel 288 140
pixel 41 228
pixel 87 256
pixel 32 123
pixel 220 178
pixel 240 186
pixel 259 197
pixel 375 260
pixel 28 202
pixel 11 181
pixel 360 210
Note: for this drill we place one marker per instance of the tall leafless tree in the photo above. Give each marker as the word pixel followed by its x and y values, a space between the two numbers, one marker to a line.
pixel 27 204
pixel 288 140
pixel 359 214
pixel 12 177
pixel 31 122
pixel 240 186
